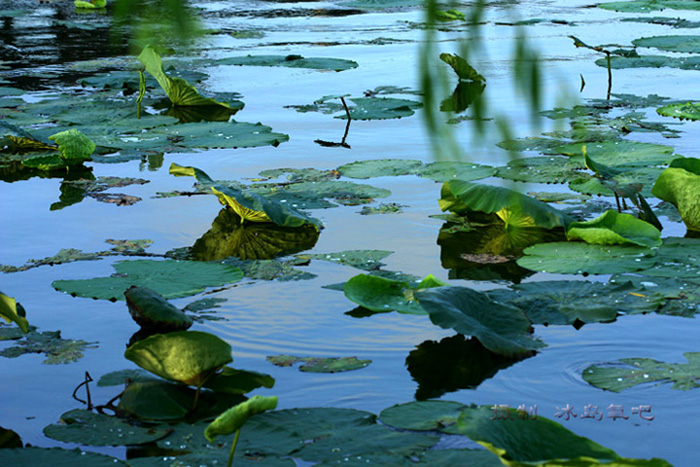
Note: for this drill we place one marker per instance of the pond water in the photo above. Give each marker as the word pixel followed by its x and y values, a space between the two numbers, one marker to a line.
pixel 263 318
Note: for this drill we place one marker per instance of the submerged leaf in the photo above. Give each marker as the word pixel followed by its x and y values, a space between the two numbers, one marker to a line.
pixel 233 419
pixel 189 357
pixel 49 343
pixel 613 228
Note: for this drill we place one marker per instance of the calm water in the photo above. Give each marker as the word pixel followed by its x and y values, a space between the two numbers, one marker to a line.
pixel 301 318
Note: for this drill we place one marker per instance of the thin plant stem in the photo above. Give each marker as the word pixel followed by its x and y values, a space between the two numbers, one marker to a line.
pixel 607 57
pixel 196 397
pixel 233 448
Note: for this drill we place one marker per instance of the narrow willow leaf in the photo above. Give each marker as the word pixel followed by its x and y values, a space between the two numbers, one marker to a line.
pixel 234 418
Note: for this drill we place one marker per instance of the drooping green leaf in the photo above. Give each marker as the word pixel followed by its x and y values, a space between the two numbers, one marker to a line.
pixel 613 228
pixel 630 372
pixel 247 204
pixel 57 457
pixel 460 66
pixel 382 295
pixel 290 61
pixel 687 44
pixel 171 279
pixel 179 91
pixel 74 146
pixel 503 329
pixel 11 311
pixel 189 357
pixel 49 343
pixel 580 258
pixel 679 184
pixel 94 429
pixel 521 441
pixel 233 419
pixel 320 365
pixel 151 311
pixel 379 168
pixel 681 111
pixel 515 209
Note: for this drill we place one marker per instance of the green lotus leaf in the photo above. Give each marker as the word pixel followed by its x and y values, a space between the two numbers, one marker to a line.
pixel 122 377
pixel 94 429
pixel 679 184
pixel 613 228
pixel 676 296
pixel 151 311
pixel 580 258
pixel 156 400
pixel 677 258
pixel 572 302
pixel 652 61
pixel 502 329
pixel 189 357
pixel 684 44
pixel 545 169
pixel 290 61
pixel 515 209
pixel 179 91
pixel 171 279
pixel 521 441
pixel 681 111
pixel 49 343
pixel 46 162
pixel 645 6
pixel 382 295
pixel 460 66
pixel 90 5
pixel 367 260
pixel 630 181
pixel 661 20
pixel 233 381
pixel 382 4
pixel 629 372
pixel 74 146
pixel 315 195
pixel 233 419
pixel 621 153
pixel 320 365
pixel 442 171
pixel 247 204
pixel 57 457
pixel 380 108
pixel 217 135
pixel 11 311
pixel 424 416
pixel 379 168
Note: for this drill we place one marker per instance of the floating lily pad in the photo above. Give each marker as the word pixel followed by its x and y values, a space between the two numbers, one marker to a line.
pixel 662 20
pixel 290 61
pixel 630 372
pixel 383 208
pixel 626 184
pixel 644 6
pixel 379 168
pixel 190 357
pixel 11 311
pixel 686 44
pixel 442 171
pixel 367 260
pixel 380 108
pixel 57 457
pixel 320 365
pixel 382 295
pixel 679 185
pixel 687 111
pixel 424 416
pixel 65 255
pixel 515 209
pixel 582 258
pixel 221 135
pixel 171 279
pixel 613 228
pixel 315 195
pixel 502 329
pixel 121 377
pixel 555 169
pixel 622 153
pixel 677 257
pixel 49 343
pixel 652 61
pixel 525 441
pixel 94 429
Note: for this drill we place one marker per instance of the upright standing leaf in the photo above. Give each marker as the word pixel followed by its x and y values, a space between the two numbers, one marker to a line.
pixel 10 311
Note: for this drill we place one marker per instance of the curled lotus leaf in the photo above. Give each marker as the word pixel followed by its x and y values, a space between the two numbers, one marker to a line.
pixel 679 184
pixel 234 418
pixel 613 228
pixel 189 357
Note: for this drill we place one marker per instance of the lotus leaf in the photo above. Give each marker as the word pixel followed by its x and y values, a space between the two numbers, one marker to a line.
pixel 94 429
pixel 156 400
pixel 383 208
pixel 452 364
pixel 312 195
pixel 290 61
pixel 676 296
pixel 44 162
pixel 652 61
pixel 627 184
pixel 622 153
pixel 679 184
pixel 233 381
pixel 49 343
pixel 546 169
pixel 382 4
pixel 90 5
pixel 583 258
pixel 248 205
pixel 678 258
pixel 424 416
pixel 57 457
pixel 460 66
pixel 11 311
pixel 171 279
pixel 367 260
pixel 673 22
pixel 380 294
pixel 687 44
pixel 682 111
pixel 380 108
pixel 219 135
pixel 379 168
pixel 121 377
pixel 613 228
pixel 189 357
pixel 233 419
pixel 74 146
pixel 630 372
pixel 521 441
pixel 151 311
pixel 502 329
pixel 320 365
pixel 179 91
pixel 645 6
pixel 515 209
pixel 442 171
